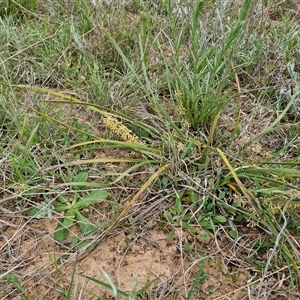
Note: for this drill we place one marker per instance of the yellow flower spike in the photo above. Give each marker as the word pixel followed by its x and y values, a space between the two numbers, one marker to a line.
pixel 121 130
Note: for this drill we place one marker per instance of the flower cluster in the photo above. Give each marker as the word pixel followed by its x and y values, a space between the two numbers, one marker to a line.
pixel 276 208
pixel 121 130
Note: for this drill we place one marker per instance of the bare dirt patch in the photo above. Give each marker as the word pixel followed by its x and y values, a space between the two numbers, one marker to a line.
pixel 30 252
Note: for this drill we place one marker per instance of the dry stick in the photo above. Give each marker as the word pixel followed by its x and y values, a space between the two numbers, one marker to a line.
pixel 251 283
pixel 94 244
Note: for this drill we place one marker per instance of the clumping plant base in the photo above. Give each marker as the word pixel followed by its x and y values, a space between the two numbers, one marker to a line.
pixel 149 149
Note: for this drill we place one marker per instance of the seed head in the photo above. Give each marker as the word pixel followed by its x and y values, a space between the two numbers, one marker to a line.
pixel 121 130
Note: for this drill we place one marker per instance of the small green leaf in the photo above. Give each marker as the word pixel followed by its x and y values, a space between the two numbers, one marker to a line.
pixel 234 234
pixel 33 212
pixel 239 218
pixel 192 197
pixel 132 232
pixel 169 217
pixel 62 229
pixel 172 210
pixel 61 207
pixel 84 244
pixel 222 195
pixel 204 237
pixel 69 218
pixel 192 230
pixel 220 219
pixel 185 225
pixel 60 233
pixel 210 206
pixel 205 224
pixel 189 246
pixel 170 236
pixel 164 181
pixel 74 242
pixel 85 225
pixel 178 206
pixel 62 199
pixel 127 241
pixel 91 199
pixel 105 224
pixel 81 179
pixel 189 218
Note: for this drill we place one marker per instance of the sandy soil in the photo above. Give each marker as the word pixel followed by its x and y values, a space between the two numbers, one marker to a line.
pixel 147 257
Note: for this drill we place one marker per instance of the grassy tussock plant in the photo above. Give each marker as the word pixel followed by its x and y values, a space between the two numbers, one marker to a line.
pixel 191 100
pixel 199 91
